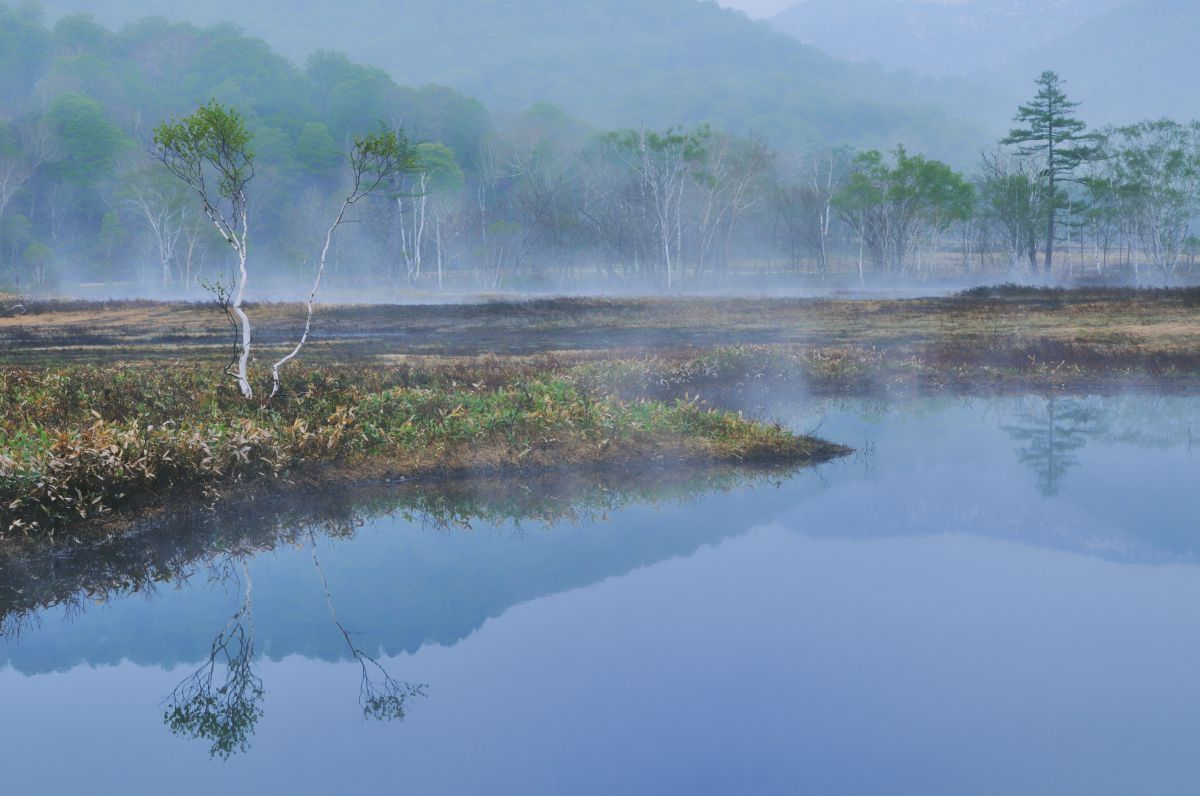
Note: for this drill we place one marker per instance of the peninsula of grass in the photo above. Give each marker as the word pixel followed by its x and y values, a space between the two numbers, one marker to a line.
pixel 84 448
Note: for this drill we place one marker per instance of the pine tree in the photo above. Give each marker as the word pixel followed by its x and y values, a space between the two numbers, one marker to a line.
pixel 1052 131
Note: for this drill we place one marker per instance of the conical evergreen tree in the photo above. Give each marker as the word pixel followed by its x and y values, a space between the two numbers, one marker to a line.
pixel 1050 129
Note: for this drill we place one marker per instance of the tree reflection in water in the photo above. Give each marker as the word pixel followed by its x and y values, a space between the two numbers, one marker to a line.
pixel 381 696
pixel 1050 436
pixel 222 701
pixel 223 712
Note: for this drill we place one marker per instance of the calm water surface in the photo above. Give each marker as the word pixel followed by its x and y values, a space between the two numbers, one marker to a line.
pixel 995 596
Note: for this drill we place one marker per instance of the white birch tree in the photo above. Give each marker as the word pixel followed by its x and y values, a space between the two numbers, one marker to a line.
pixel 1157 166
pixel 1013 203
pixel 374 161
pixel 662 163
pixel 210 151
pixel 18 164
pixel 727 180
pixel 160 206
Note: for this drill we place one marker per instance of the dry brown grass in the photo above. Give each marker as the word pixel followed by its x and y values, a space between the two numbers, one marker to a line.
pixel 1157 322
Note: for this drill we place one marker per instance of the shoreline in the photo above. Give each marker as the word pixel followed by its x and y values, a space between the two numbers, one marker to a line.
pixel 134 406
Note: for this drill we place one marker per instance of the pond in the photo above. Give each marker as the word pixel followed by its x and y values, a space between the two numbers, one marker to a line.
pixel 993 596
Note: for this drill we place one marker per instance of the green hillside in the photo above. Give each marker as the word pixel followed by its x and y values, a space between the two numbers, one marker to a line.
pixel 615 63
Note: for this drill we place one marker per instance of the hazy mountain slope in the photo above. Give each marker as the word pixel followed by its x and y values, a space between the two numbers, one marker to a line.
pixel 1123 59
pixel 1139 61
pixel 612 62
pixel 935 38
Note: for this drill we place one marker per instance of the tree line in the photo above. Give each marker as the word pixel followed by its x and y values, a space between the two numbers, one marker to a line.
pixel 539 199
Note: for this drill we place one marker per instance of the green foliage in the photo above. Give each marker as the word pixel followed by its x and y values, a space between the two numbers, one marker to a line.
pixel 24 50
pixel 1051 128
pixel 1052 132
pixel 81 33
pixel 897 206
pixel 37 257
pixel 672 142
pixel 316 151
pixel 87 141
pixel 213 138
pixel 913 181
pixel 15 232
pixel 1151 175
pixel 380 155
pixel 1012 204
pixel 112 234
pixel 74 96
pixel 439 163
pixel 37 254
pixel 9 146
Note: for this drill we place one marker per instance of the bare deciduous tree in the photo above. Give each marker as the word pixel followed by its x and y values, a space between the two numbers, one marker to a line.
pixel 662 162
pixel 20 158
pixel 726 179
pixel 381 696
pixel 160 206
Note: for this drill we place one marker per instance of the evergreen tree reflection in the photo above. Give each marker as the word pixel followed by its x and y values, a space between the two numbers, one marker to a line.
pixel 1051 435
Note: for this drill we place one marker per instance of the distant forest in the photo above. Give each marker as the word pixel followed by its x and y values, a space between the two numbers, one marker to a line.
pixel 537 198
pixel 615 63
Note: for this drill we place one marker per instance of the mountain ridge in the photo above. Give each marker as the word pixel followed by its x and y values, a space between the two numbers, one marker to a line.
pixel 932 38
pixel 614 63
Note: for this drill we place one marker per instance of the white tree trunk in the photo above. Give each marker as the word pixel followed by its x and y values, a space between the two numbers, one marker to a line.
pixel 312 298
pixel 243 373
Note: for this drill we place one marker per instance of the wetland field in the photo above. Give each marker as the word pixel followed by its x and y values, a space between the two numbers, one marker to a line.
pixel 736 545
pixel 664 397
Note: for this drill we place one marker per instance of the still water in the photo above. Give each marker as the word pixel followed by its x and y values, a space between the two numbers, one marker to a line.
pixel 994 596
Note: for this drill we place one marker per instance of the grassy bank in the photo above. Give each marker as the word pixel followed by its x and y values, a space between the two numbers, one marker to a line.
pixel 86 445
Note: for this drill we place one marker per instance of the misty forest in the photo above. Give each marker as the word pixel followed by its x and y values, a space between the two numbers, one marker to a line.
pixel 593 396
pixel 538 198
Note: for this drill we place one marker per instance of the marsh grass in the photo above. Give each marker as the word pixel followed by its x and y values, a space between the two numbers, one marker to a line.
pixel 82 445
